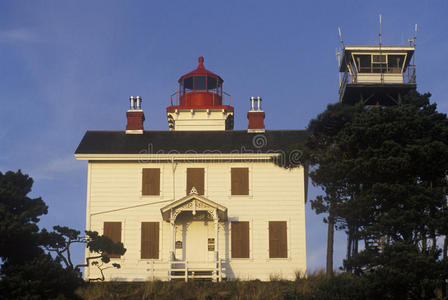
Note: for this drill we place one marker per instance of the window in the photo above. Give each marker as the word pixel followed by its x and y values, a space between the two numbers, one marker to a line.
pixel 395 63
pixel 150 240
pixel 151 182
pixel 240 181
pixel 278 243
pixel 363 63
pixel 211 83
pixel 188 84
pixel 199 82
pixel 240 239
pixel 113 231
pixel 195 178
pixel 379 63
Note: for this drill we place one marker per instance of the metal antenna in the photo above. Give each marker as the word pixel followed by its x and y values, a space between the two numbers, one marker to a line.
pixel 338 55
pixel 413 41
pixel 379 35
pixel 379 41
pixel 340 38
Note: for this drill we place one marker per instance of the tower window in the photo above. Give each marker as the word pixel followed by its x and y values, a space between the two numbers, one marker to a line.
pixel 379 58
pixel 211 83
pixel 395 63
pixel 199 82
pixel 363 63
pixel 188 83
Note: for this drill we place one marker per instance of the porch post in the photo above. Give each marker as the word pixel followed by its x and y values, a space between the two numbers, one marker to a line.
pixel 217 270
pixel 173 239
pixel 173 236
pixel 215 219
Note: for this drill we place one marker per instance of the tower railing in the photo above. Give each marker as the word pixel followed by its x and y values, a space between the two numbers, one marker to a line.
pixel 410 74
pixel 226 98
pixel 409 77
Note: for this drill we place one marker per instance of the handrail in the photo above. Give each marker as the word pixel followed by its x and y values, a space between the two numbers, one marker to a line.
pixel 175 98
pixel 216 270
pixel 411 74
pixel 230 103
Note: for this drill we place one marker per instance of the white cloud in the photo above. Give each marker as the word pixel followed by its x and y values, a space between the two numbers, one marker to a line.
pixel 17 35
pixel 56 168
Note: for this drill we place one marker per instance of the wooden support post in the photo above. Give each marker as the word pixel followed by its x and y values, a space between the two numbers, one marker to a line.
pixel 216 270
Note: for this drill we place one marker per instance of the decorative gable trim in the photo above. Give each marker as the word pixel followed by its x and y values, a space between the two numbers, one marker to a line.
pixel 194 203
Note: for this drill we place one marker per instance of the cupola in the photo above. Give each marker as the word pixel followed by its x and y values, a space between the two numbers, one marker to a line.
pixel 200 102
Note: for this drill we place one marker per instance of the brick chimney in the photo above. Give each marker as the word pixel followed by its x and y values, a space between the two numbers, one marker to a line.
pixel 255 116
pixel 135 116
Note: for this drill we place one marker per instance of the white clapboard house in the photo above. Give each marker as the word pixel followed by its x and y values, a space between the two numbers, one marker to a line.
pixel 199 200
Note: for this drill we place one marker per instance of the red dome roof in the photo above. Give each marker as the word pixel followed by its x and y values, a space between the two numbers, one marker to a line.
pixel 201 70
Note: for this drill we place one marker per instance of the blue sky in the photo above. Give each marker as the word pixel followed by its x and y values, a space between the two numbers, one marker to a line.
pixel 70 66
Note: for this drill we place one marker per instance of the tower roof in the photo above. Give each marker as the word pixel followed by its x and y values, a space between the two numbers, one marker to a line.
pixel 200 70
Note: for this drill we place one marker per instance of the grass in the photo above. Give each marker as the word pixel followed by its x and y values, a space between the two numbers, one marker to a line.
pixel 277 288
pixel 314 286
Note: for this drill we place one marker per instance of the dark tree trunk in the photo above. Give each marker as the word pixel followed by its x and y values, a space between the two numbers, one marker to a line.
pixel 349 243
pixel 330 241
pixel 349 247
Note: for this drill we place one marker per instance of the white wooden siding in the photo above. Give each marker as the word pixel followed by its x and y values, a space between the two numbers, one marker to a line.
pixel 114 194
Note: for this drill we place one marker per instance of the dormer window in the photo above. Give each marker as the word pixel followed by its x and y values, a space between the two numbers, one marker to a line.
pixel 199 83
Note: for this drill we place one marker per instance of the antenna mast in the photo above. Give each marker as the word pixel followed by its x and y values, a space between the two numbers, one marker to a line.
pixel 340 38
pixel 413 41
pixel 338 53
pixel 379 35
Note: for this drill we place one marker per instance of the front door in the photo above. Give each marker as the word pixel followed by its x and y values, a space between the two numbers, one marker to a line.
pixel 196 241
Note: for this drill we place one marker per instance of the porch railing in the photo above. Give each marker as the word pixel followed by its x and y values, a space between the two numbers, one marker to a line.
pixel 184 270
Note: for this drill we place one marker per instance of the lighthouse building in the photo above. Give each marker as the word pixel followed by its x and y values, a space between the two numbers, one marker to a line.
pixel 199 200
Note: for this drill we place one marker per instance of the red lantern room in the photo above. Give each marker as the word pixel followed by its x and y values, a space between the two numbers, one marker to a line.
pixel 199 90
pixel 200 87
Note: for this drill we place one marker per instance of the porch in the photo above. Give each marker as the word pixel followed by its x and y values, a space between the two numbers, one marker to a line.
pixel 194 248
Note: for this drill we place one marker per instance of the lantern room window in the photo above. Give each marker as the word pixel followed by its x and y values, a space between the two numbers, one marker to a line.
pixel 199 83
pixel 188 84
pixel 211 83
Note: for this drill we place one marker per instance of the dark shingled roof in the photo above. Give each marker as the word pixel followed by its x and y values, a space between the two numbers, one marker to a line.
pixel 165 142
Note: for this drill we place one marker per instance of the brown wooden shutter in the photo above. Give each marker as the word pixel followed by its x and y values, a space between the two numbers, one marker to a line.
pixel 150 240
pixel 151 181
pixel 240 239
pixel 195 178
pixel 240 181
pixel 278 241
pixel 113 231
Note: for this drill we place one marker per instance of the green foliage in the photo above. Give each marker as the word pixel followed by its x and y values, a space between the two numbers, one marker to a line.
pixel 402 271
pixel 19 215
pixel 384 172
pixel 28 271
pixel 102 244
pixel 40 278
